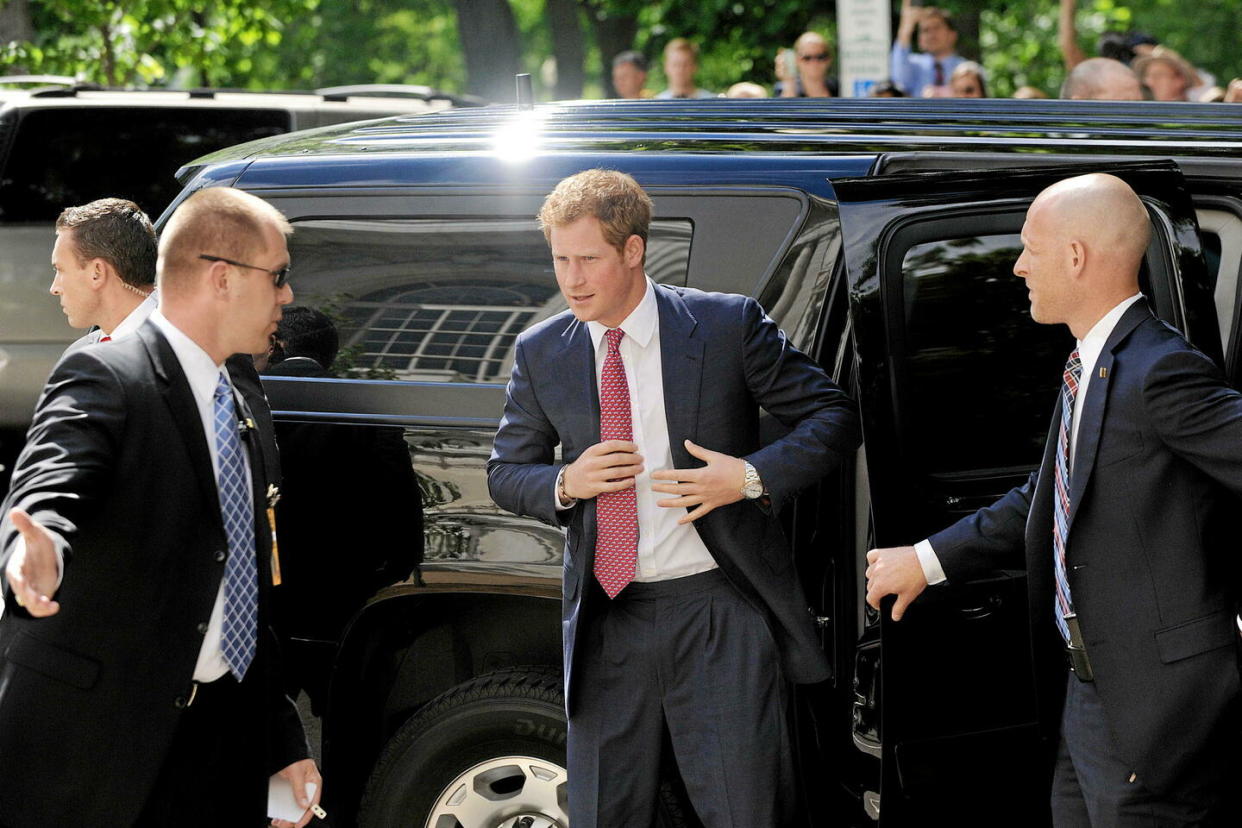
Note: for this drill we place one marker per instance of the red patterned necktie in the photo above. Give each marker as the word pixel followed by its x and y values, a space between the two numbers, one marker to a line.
pixel 616 542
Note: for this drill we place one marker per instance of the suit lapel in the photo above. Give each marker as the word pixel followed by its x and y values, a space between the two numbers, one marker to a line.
pixel 1094 406
pixel 581 391
pixel 681 367
pixel 176 392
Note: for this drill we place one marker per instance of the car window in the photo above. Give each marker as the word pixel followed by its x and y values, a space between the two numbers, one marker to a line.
pixel 441 299
pixel 72 155
pixel 982 375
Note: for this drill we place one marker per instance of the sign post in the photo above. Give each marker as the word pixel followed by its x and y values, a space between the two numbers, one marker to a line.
pixel 864 28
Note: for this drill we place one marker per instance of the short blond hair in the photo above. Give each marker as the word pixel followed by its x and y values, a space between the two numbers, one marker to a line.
pixel 622 207
pixel 217 221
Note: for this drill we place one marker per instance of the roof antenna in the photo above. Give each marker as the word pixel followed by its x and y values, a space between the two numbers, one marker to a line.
pixel 525 92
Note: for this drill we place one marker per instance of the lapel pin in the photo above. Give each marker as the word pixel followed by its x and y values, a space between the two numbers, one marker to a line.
pixel 1103 372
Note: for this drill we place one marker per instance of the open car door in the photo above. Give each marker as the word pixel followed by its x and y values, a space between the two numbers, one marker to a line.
pixel 957 385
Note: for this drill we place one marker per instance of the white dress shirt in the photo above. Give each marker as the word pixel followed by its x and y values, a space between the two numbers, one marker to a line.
pixel 1089 348
pixel 134 320
pixel 203 374
pixel 666 550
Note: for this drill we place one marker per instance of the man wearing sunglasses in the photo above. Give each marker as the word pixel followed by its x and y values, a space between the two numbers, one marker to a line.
pixel 140 682
pixel 807 77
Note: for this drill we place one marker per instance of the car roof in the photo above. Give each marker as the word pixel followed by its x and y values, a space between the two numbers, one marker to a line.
pixel 796 126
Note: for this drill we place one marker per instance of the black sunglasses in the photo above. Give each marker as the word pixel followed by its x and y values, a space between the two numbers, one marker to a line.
pixel 281 274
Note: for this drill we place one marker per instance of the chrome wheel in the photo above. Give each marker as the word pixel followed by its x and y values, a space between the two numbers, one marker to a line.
pixel 506 792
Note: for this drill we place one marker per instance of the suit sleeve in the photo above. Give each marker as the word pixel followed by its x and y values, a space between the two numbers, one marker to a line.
pixel 1196 414
pixel 69 454
pixel 792 388
pixel 992 538
pixel 521 473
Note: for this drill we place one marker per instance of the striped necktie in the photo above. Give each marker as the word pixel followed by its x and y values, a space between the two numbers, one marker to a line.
pixel 241 580
pixel 1061 501
pixel 616 540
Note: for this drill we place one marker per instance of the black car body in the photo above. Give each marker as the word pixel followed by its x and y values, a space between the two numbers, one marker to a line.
pixel 881 236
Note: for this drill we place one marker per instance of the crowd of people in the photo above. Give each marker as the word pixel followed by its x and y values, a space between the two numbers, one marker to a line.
pixel 924 63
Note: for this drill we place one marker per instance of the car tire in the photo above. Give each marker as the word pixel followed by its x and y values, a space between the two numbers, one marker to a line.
pixel 492 745
pixel 489 752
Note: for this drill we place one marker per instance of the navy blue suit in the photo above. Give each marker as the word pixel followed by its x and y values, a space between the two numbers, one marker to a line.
pixel 723 360
pixel 1151 554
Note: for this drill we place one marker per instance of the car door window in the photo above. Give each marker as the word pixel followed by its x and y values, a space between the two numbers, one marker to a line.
pixel 441 300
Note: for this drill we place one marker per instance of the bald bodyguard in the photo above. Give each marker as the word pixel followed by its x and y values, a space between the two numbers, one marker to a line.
pixel 1126 532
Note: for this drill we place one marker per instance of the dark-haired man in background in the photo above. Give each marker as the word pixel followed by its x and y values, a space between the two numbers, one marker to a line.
pixel 104 263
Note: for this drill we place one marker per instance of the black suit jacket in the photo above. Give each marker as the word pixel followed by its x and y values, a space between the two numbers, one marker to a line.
pixel 723 360
pixel 1151 551
pixel 117 467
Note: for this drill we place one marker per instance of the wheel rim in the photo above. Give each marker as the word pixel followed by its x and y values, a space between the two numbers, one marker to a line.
pixel 506 792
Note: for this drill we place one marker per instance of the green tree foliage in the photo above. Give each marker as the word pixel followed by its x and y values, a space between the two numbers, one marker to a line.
pixel 218 43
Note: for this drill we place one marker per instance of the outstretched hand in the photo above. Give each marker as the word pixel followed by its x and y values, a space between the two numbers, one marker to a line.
pixel 719 483
pixel 33 569
pixel 894 571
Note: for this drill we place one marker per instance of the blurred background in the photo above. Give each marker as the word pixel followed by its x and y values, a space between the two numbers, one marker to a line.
pixel 476 46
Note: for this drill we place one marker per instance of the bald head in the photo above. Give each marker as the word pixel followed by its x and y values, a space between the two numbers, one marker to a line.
pixel 1102 79
pixel 1083 244
pixel 1105 214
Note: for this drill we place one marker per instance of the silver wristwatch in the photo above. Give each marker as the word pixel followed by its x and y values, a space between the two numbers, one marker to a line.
pixel 752 486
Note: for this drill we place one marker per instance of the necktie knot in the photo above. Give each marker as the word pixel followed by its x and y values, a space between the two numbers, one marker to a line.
pixel 222 387
pixel 614 339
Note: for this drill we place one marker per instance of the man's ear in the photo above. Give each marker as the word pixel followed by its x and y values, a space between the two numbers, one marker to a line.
pixel 99 270
pixel 633 252
pixel 1076 256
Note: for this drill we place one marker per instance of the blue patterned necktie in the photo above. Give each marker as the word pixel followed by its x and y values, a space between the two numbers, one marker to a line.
pixel 1061 500
pixel 241 580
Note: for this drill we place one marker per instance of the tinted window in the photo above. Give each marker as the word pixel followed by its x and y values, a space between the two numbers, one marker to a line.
pixel 982 375
pixel 441 299
pixel 69 156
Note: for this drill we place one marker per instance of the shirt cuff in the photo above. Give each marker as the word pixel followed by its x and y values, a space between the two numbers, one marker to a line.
pixel 932 570
pixel 556 493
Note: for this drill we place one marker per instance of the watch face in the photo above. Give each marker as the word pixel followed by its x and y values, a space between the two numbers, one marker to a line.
pixel 753 489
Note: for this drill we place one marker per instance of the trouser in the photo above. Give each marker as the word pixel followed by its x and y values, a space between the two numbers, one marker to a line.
pixel 213 774
pixel 1093 787
pixel 687 663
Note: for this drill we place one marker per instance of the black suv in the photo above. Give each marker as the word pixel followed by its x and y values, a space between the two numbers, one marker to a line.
pixel 880 235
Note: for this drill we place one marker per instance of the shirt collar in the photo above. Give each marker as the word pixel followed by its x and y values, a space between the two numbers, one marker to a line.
pixel 639 326
pixel 1089 346
pixel 136 317
pixel 202 373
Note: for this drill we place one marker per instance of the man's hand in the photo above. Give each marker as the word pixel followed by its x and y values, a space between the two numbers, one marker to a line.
pixel 34 568
pixel 298 774
pixel 1234 93
pixel 719 483
pixel 609 466
pixel 894 571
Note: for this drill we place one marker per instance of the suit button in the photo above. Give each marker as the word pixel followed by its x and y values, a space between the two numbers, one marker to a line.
pixel 220 556
pixel 202 628
pixel 180 702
